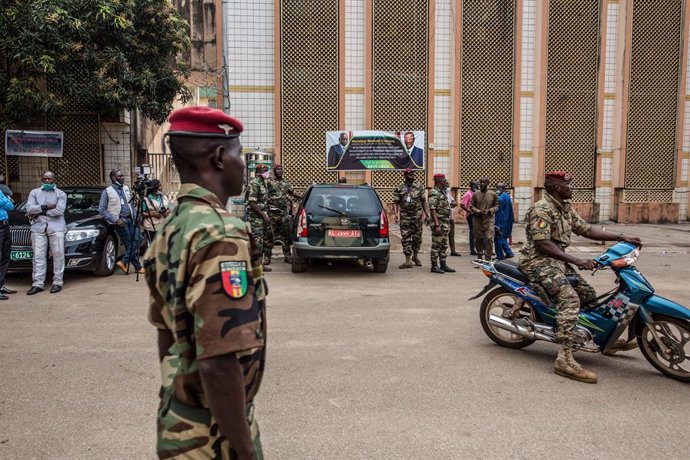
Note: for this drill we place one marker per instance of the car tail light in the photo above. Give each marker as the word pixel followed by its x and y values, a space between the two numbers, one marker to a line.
pixel 383 225
pixel 302 224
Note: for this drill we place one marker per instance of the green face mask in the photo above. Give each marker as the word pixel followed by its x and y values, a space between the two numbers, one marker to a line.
pixel 48 187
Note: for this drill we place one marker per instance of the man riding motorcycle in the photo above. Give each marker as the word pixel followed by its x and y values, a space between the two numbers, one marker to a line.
pixel 550 223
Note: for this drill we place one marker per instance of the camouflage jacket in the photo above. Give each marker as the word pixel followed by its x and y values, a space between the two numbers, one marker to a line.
pixel 549 219
pixel 438 201
pixel 257 192
pixel 206 283
pixel 279 192
pixel 410 198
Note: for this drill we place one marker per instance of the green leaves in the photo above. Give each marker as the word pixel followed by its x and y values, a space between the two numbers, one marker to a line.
pixel 99 53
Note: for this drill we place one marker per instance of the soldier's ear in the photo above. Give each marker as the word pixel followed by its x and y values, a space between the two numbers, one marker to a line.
pixel 217 157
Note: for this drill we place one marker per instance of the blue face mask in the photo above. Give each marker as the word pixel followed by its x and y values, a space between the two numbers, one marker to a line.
pixel 48 187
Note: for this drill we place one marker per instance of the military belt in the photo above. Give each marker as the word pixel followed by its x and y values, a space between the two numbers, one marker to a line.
pixel 202 414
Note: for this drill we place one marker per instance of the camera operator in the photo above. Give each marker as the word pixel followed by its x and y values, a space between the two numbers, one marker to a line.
pixel 155 209
pixel 115 208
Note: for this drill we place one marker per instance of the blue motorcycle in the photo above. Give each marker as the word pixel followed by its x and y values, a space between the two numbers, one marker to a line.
pixel 514 313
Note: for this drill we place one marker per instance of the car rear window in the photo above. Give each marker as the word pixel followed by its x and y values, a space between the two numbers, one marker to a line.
pixel 343 201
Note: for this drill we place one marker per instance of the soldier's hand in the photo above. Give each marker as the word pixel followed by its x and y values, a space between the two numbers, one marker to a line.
pixel 586 264
pixel 267 220
pixel 437 230
pixel 120 223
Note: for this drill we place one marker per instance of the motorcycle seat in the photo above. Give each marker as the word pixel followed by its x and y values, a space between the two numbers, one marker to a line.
pixel 512 270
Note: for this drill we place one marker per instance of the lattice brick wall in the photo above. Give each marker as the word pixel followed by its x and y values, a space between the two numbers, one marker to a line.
pixel 647 196
pixel 400 77
pixel 653 97
pixel 309 55
pixel 571 90
pixel 81 163
pixel 487 90
pixel 3 161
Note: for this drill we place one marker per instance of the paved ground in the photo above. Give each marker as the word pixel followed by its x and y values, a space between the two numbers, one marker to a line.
pixel 361 365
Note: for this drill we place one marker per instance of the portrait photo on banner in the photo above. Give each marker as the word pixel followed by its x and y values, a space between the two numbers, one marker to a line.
pixel 375 150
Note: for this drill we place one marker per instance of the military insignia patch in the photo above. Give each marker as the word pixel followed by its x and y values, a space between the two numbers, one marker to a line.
pixel 542 224
pixel 233 275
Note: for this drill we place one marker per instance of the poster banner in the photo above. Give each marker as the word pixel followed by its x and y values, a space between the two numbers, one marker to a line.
pixel 374 150
pixel 33 143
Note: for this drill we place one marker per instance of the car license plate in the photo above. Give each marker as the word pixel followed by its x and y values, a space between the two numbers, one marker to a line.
pixel 21 255
pixel 344 233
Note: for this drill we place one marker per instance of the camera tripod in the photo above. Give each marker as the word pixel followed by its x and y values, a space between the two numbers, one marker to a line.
pixel 137 233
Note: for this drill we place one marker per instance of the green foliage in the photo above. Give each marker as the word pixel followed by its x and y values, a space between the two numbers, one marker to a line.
pixel 98 53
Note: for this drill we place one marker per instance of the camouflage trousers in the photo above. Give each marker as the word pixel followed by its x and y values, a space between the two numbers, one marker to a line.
pixel 280 224
pixel 439 244
pixel 263 235
pixel 191 433
pixel 411 232
pixel 483 236
pixel 553 278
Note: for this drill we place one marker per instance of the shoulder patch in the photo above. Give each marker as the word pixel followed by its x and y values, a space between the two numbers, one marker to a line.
pixel 234 278
pixel 542 224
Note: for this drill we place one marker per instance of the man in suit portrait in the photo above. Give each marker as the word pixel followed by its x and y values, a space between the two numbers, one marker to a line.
pixel 416 153
pixel 335 153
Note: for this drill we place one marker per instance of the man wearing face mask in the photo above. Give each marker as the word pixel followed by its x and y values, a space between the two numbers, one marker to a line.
pixel 410 210
pixel 46 211
pixel 257 211
pixel 115 208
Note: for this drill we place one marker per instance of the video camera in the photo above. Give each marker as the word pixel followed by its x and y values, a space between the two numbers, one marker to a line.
pixel 142 185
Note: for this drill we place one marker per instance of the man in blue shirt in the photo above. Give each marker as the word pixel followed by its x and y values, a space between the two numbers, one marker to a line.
pixel 504 223
pixel 115 208
pixel 5 239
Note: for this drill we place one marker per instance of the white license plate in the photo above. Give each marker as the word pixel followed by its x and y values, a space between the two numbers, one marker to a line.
pixel 344 233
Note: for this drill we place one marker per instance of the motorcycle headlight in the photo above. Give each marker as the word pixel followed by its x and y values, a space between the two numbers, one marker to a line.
pixel 78 235
pixel 627 259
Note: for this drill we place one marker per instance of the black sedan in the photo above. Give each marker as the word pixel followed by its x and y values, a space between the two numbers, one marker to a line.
pixel 90 244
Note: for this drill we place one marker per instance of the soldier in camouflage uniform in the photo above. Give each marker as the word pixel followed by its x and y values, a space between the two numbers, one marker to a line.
pixel 484 205
pixel 439 207
pixel 280 209
pixel 203 270
pixel 550 223
pixel 257 212
pixel 411 209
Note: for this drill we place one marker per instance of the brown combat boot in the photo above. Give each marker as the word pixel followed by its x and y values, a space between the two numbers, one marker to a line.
pixel 415 259
pixel 407 263
pixel 621 345
pixel 566 366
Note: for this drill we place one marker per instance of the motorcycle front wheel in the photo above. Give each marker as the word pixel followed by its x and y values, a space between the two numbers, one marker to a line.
pixel 675 335
pixel 501 302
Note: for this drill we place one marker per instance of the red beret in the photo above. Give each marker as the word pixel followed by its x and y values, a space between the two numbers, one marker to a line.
pixel 261 167
pixel 277 166
pixel 561 176
pixel 203 122
pixel 439 176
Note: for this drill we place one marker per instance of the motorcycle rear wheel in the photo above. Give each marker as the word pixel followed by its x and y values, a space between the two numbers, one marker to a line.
pixel 498 302
pixel 675 334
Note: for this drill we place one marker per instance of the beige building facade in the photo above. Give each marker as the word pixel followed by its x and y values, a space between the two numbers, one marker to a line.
pixel 503 88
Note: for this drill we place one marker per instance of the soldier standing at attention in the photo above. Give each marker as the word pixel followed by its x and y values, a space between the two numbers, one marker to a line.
pixel 411 209
pixel 550 223
pixel 203 270
pixel 258 213
pixel 280 207
pixel 439 207
pixel 484 205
